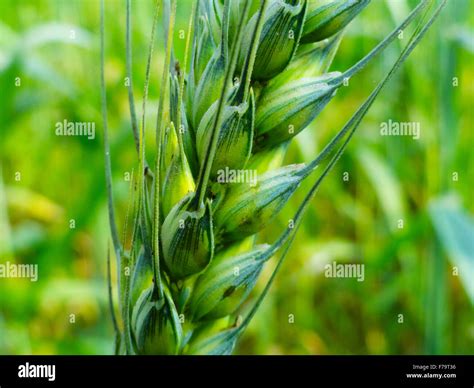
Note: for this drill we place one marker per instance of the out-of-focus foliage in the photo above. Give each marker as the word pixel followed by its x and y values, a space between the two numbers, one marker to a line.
pixel 53 205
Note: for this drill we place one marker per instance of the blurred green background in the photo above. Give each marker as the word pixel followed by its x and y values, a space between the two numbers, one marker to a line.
pixel 413 301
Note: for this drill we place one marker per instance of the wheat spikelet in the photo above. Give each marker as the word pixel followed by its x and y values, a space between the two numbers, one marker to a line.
pixel 257 76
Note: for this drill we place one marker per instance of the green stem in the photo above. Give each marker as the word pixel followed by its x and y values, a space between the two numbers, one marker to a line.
pixel 352 125
pixel 128 55
pixel 246 77
pixel 108 165
pixel 111 304
pixel 127 213
pixel 147 74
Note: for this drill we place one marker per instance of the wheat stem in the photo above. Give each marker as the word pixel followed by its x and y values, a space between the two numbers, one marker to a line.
pixel 108 167
pixel 158 288
pixel 128 51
